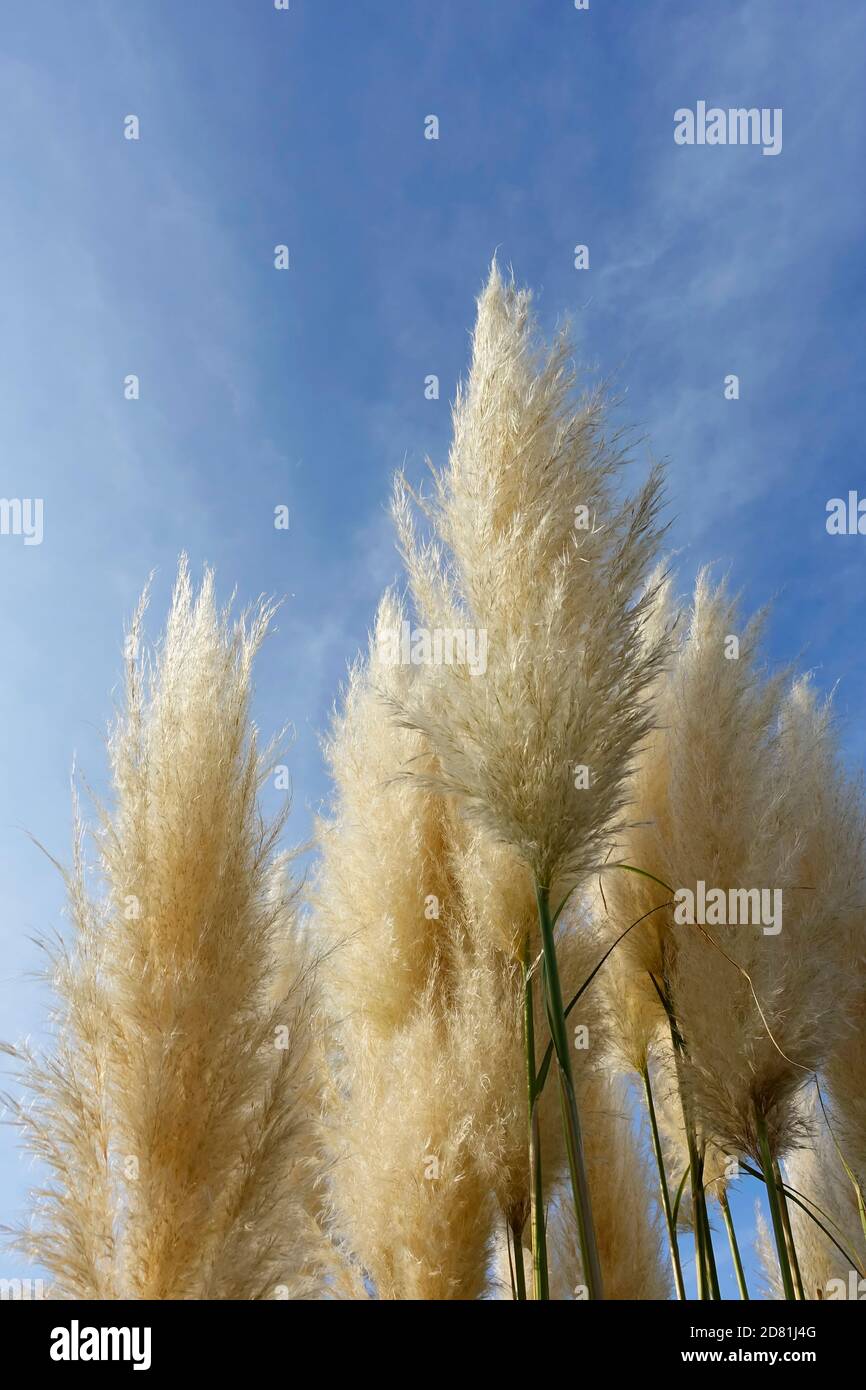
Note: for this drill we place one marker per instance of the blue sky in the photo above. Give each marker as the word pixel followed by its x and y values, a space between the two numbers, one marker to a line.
pixel 306 387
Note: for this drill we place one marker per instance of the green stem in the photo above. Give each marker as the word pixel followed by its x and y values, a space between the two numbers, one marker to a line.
pixel 663 1185
pixel 519 1271
pixel 766 1161
pixel 568 1101
pixel 709 1252
pixel 548 1052
pixel 735 1249
pixel 791 1194
pixel 789 1234
pixel 540 1279
pixel 510 1261
pixel 705 1260
pixel 696 1168
pixel 679 1197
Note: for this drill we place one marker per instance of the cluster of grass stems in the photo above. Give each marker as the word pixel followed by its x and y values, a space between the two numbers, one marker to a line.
pixel 445 1042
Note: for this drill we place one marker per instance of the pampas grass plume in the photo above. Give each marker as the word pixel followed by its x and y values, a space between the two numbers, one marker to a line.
pixel 176 1112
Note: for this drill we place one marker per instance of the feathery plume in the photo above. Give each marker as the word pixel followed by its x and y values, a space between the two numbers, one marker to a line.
pixel 749 799
pixel 845 1068
pixel 383 874
pixel 411 1201
pixel 176 1113
pixel 531 548
pixel 799 830
pixel 747 804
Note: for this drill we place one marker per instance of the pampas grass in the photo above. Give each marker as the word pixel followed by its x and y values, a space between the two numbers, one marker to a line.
pixel 531 548
pixel 806 838
pixel 175 1111
pixel 410 1197
pixel 845 1068
pixel 428 1112
pixel 566 668
pixel 251 1095
pixel 384 870
pixel 751 798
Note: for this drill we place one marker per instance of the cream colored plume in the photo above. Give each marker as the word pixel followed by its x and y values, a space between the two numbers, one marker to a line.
pixel 757 802
pixel 411 1200
pixel 845 1069
pixel 176 1113
pixel 384 877
pixel 532 551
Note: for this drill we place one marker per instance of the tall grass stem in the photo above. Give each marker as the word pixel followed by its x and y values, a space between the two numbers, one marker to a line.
pixel 766 1160
pixel 540 1278
pixel 571 1120
pixel 663 1187
pixel 789 1234
pixel 734 1244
